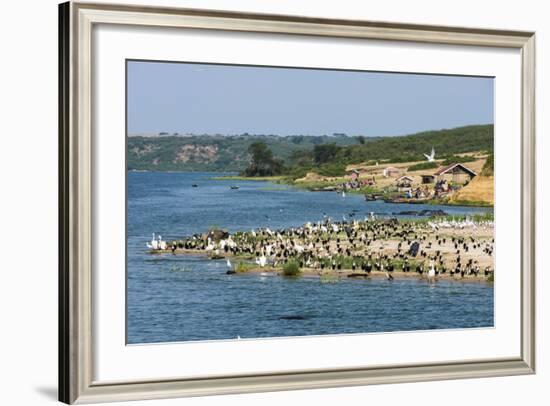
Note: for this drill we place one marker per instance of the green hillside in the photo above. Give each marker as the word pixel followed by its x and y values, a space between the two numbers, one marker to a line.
pixel 412 147
pixel 327 155
pixel 216 153
pixel 331 160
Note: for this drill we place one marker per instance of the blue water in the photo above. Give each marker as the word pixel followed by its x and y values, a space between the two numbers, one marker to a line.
pixel 181 298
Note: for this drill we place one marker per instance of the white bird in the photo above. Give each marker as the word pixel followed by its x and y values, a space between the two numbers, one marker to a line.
pixel 430 157
pixel 229 264
pixel 263 261
pixel 211 245
pixel 431 273
pixel 153 244
pixel 343 194
pixel 161 244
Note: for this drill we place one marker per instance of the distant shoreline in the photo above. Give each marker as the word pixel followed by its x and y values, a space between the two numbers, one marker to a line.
pixel 311 187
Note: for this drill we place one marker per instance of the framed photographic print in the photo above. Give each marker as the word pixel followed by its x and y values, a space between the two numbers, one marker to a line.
pixel 262 202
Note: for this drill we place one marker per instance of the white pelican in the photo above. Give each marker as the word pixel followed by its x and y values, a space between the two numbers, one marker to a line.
pixel 153 244
pixel 431 273
pixel 262 261
pixel 161 244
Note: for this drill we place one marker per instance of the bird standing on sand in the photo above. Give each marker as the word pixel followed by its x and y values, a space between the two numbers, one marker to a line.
pixel 153 244
pixel 431 273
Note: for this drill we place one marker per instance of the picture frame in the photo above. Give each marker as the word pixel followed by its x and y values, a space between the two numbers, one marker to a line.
pixel 76 215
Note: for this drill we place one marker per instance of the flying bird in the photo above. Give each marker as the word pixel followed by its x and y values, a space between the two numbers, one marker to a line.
pixel 430 157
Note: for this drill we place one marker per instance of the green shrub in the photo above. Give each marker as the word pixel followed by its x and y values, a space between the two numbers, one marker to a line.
pixel 291 268
pixel 243 267
pixel 333 169
pixel 455 159
pixel 423 165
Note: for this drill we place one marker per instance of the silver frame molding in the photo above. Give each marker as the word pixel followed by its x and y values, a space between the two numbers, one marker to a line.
pixel 76 21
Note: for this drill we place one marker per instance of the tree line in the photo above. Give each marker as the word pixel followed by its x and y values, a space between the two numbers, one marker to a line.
pixel 330 159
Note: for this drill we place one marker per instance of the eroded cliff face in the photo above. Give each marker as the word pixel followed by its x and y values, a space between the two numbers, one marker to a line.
pixel 196 153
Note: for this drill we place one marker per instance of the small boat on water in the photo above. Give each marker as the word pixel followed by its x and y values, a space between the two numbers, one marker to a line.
pixel 234 187
pixel 194 185
pixel 372 197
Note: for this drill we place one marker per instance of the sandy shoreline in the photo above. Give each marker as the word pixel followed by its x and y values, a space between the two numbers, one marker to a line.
pixel 338 274
pixel 315 273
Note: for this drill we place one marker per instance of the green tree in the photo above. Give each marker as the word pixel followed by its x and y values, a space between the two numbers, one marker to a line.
pixel 262 162
pixel 325 153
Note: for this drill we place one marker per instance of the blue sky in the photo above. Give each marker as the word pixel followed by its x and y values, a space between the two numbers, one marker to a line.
pixel 226 99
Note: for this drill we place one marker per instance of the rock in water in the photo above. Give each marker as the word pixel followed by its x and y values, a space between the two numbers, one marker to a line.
pixel 432 213
pixel 217 235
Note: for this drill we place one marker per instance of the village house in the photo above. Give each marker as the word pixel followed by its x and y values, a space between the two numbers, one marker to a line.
pixel 427 179
pixel 391 172
pixel 404 182
pixel 455 173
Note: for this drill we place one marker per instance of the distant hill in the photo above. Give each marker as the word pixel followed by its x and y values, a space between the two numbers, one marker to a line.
pixel 331 160
pixel 412 147
pixel 217 153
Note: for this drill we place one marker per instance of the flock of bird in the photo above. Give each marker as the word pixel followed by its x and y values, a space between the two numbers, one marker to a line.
pixel 157 243
pixel 428 248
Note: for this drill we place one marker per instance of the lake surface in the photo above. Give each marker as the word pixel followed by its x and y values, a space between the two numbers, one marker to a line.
pixel 182 298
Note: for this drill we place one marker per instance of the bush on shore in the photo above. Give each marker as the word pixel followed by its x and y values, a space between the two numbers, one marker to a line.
pixel 291 268
pixel 422 166
pixel 243 267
